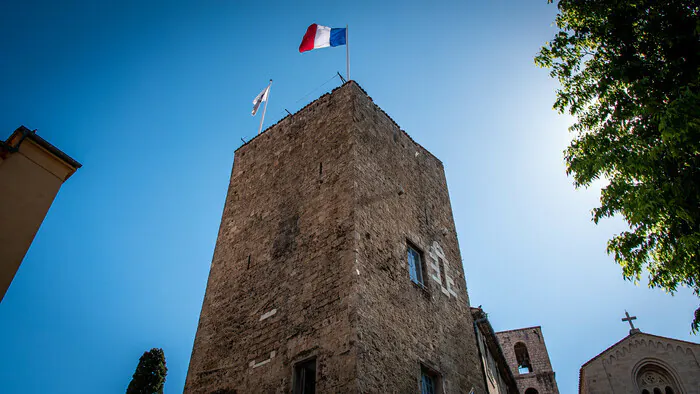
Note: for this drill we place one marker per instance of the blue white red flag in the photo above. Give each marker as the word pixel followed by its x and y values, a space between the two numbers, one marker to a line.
pixel 318 36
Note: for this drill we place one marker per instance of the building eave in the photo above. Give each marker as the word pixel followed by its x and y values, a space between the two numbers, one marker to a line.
pixel 21 133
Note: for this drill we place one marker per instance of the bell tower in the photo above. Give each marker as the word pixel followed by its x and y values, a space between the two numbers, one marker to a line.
pixel 528 359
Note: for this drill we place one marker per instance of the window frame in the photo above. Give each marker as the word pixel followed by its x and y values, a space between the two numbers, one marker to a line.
pixel 297 368
pixel 420 270
pixel 434 376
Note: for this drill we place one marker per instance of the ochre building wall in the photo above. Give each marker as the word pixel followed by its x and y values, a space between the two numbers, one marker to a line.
pixel 30 178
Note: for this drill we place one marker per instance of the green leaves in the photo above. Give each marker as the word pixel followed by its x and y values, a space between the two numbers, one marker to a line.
pixel 630 74
pixel 149 377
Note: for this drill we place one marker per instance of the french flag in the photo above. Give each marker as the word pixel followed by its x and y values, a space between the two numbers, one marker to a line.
pixel 318 36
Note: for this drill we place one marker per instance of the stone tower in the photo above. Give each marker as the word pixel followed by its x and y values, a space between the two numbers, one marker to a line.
pixel 528 359
pixel 336 267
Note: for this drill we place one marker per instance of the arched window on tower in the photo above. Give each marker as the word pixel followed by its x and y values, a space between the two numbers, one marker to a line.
pixel 523 358
pixel 669 390
pixel 531 391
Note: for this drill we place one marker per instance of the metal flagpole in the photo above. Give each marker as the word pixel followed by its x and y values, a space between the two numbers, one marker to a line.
pixel 347 51
pixel 267 98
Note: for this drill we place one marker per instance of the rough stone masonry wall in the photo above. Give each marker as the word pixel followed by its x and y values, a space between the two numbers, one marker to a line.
pixel 542 376
pixel 401 196
pixel 281 279
pixel 310 261
pixel 616 369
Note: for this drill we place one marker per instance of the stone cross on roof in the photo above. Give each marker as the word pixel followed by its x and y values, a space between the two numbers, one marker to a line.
pixel 629 320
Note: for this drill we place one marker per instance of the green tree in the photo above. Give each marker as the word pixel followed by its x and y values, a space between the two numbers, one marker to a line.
pixel 629 72
pixel 149 377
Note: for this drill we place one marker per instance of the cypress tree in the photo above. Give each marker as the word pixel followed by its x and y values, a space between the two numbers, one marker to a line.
pixel 149 377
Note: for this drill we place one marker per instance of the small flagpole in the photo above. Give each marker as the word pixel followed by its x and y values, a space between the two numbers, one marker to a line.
pixel 347 51
pixel 265 108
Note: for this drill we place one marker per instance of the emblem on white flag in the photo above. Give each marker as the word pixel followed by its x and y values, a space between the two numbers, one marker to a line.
pixel 259 99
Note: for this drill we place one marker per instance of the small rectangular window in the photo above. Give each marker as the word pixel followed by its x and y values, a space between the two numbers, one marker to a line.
pixel 429 381
pixel 415 265
pixel 428 385
pixel 305 377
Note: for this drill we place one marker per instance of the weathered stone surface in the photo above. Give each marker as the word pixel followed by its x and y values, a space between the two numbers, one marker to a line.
pixel 315 228
pixel 402 196
pixel 542 376
pixel 641 362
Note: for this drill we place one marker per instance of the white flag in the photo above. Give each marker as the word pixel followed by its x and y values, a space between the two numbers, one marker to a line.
pixel 259 99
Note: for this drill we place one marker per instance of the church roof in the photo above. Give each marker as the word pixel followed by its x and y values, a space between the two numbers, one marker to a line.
pixel 631 335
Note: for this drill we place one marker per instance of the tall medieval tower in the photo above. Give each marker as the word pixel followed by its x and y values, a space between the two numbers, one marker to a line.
pixel 337 267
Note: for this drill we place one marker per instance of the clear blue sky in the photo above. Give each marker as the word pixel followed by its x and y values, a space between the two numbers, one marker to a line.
pixel 153 98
